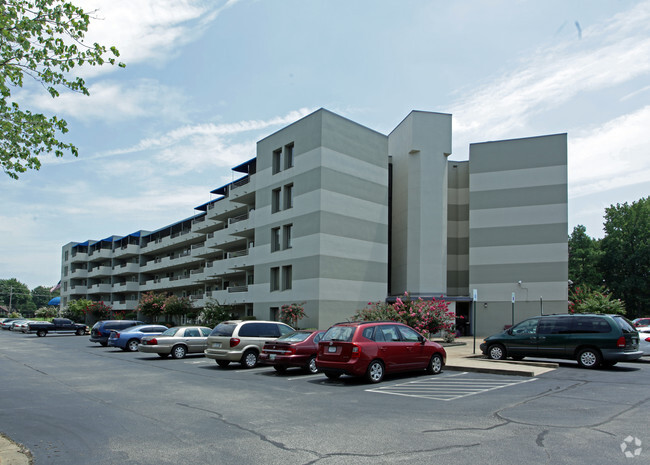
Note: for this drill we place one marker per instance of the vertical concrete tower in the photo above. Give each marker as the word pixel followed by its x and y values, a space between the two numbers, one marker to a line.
pixel 419 147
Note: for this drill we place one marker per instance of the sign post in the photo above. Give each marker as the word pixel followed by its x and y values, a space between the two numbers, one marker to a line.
pixel 474 299
pixel 513 309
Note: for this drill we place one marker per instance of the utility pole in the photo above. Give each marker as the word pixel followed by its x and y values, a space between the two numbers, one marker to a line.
pixel 11 291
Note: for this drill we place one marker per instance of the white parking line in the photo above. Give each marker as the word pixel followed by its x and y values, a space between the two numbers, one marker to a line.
pixel 446 388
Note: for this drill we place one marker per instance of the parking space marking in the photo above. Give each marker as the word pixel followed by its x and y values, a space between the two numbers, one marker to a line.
pixel 448 388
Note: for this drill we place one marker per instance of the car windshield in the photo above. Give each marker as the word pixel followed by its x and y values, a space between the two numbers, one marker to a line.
pixel 625 324
pixel 339 333
pixel 170 332
pixel 223 329
pixel 296 336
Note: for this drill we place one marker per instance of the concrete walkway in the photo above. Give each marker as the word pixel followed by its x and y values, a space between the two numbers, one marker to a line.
pixel 460 357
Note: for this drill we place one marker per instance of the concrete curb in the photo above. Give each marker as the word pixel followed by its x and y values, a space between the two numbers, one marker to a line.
pixel 13 453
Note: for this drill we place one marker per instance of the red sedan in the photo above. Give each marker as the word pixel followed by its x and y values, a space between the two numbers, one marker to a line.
pixel 296 349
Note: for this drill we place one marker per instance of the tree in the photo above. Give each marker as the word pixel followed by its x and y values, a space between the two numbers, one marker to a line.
pixel 625 261
pixel 41 39
pixel 584 256
pixel 583 299
pixel 214 313
pixel 41 295
pixel 17 294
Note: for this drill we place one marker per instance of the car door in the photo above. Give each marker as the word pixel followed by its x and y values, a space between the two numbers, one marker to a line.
pixel 194 340
pixel 522 339
pixel 552 335
pixel 391 348
pixel 416 352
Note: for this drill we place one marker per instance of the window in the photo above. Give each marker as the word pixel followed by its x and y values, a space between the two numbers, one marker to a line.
pixel 275 279
pixel 288 196
pixel 286 277
pixel 288 229
pixel 288 156
pixel 274 314
pixel 275 239
pixel 66 255
pixel 275 200
pixel 408 334
pixel 277 157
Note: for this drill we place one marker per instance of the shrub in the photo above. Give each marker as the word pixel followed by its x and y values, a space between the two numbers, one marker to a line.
pixel 291 313
pixel 214 313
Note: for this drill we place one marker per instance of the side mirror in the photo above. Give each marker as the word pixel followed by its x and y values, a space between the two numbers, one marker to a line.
pixel 421 339
pixel 509 331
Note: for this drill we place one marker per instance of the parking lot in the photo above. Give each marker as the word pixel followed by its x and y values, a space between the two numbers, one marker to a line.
pixel 74 402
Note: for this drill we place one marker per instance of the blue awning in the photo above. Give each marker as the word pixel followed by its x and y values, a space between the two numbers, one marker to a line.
pixel 55 301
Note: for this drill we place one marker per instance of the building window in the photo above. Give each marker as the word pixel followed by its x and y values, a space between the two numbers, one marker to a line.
pixel 277 160
pixel 275 200
pixel 66 255
pixel 288 156
pixel 288 196
pixel 275 239
pixel 286 277
pixel 274 314
pixel 288 229
pixel 275 279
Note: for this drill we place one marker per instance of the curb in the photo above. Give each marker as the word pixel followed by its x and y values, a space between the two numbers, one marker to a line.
pixel 494 371
pixel 13 453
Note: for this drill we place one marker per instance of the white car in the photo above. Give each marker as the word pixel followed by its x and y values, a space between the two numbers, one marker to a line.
pixel 644 339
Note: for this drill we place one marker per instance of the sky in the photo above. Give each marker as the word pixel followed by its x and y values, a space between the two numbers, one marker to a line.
pixel 206 79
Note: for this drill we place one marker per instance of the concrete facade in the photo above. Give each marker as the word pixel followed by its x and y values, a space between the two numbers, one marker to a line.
pixel 335 215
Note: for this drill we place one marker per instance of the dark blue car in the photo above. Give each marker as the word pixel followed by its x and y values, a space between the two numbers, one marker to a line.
pixel 128 339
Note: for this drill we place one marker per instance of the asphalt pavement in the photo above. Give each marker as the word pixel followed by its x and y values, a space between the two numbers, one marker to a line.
pixel 462 355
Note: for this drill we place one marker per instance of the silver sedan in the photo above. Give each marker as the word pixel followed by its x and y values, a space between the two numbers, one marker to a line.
pixel 177 341
pixel 644 339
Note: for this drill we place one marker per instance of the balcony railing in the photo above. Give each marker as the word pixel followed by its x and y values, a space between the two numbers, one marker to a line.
pixel 238 289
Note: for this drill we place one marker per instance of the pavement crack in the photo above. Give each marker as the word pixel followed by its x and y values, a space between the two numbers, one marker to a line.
pixel 447 430
pixel 540 438
pixel 36 369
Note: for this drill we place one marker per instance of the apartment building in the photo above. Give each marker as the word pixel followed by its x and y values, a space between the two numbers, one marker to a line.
pixel 336 215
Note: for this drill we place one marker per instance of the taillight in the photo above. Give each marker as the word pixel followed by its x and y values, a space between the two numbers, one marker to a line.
pixel 117 336
pixel 647 339
pixel 621 342
pixel 289 351
pixel 234 341
pixel 152 342
pixel 356 351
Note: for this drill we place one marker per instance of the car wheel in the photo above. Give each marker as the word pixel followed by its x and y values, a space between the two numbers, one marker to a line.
pixel 435 365
pixel 249 359
pixel 179 352
pixel 41 333
pixel 223 363
pixel 311 365
pixel 132 345
pixel 280 368
pixel 375 371
pixel 163 355
pixel 497 352
pixel 332 375
pixel 80 332
pixel 589 358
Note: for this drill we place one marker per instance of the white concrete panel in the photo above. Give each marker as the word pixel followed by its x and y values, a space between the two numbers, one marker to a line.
pixel 537 253
pixel 527 292
pixel 514 179
pixel 341 204
pixel 518 216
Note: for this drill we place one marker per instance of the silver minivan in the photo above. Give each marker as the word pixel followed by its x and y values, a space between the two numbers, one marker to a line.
pixel 241 341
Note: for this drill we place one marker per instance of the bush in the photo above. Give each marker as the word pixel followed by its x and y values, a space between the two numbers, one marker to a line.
pixel 46 312
pixel 214 313
pixel 583 299
pixel 290 314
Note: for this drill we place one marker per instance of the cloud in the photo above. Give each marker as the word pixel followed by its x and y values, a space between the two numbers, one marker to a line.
pixel 115 102
pixel 608 55
pixel 149 30
pixel 611 155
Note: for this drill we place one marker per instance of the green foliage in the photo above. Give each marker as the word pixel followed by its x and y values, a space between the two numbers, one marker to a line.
pixel 12 290
pixel 151 303
pixel 292 313
pixel 46 312
pixel 41 295
pixel 76 309
pixel 426 316
pixel 583 299
pixel 44 40
pixel 625 261
pixel 584 255
pixel 158 305
pixel 214 313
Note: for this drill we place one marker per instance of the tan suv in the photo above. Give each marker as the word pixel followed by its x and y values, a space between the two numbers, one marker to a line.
pixel 242 341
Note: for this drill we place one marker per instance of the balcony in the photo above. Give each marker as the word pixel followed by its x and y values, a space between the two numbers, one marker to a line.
pixel 102 288
pixel 99 271
pixel 101 254
pixel 129 305
pixel 129 286
pixel 243 191
pixel 126 268
pixel 79 257
pixel 126 250
pixel 78 289
pixel 171 242
pixel 79 273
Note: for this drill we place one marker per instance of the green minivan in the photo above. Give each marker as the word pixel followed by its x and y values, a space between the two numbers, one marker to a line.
pixel 593 340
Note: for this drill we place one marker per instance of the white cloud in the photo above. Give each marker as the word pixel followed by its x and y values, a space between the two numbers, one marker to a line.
pixel 149 30
pixel 614 53
pixel 612 155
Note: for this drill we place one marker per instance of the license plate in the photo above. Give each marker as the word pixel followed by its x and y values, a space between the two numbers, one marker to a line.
pixel 331 349
pixel 271 356
pixel 216 345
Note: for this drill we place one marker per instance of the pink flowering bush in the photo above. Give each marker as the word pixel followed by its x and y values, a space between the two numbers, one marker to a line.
pixel 425 316
pixel 99 310
pixel 290 314
pixel 157 305
pixel 152 304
